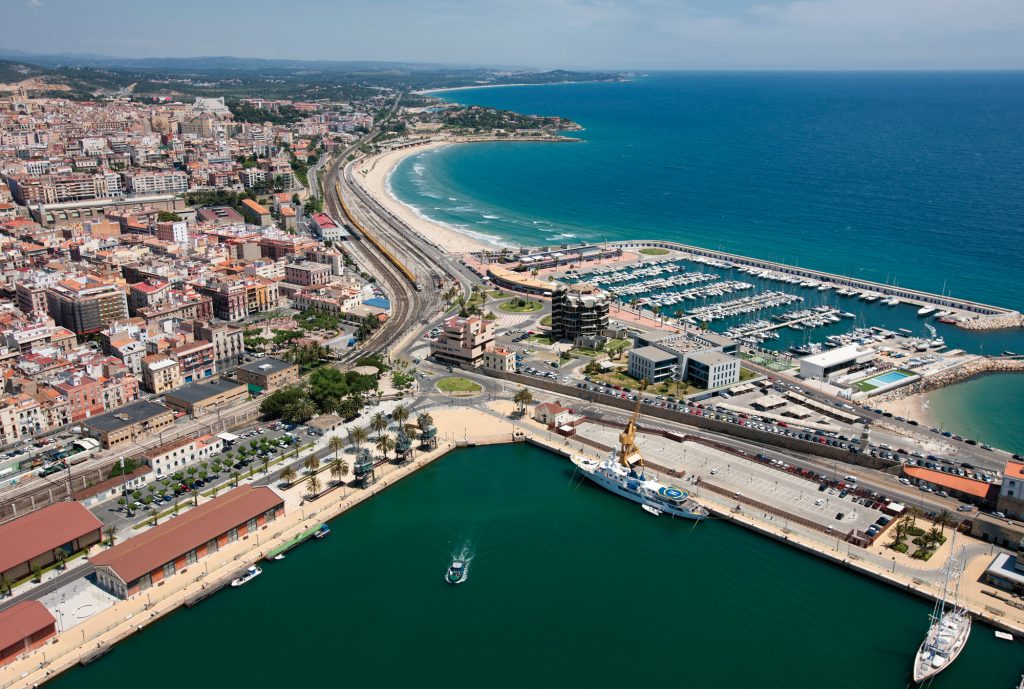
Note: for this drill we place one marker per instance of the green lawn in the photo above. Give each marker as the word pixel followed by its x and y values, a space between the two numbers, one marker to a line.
pixel 456 384
pixel 513 306
pixel 546 321
pixel 747 374
pixel 651 251
pixel 496 293
pixel 540 339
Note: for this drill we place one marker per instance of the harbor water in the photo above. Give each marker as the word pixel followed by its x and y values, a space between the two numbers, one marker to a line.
pixel 568 586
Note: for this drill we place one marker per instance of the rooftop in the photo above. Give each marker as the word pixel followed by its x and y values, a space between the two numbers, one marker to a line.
pixel 653 354
pixel 125 416
pixel 202 390
pixel 23 620
pixel 979 489
pixel 266 365
pixel 42 531
pixel 172 539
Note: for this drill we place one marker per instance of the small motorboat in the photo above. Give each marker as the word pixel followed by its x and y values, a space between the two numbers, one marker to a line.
pixel 322 531
pixel 279 556
pixel 1004 636
pixel 652 510
pixel 249 575
pixel 457 572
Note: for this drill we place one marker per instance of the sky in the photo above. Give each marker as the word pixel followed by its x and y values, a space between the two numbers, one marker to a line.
pixel 571 34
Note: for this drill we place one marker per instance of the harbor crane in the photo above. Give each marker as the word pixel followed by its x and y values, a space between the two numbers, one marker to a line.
pixel 629 453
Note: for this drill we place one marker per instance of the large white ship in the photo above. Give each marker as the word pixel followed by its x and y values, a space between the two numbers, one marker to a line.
pixel 947 634
pixel 619 475
pixel 613 476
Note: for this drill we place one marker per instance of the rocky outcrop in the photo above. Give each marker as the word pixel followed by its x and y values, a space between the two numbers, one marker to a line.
pixel 993 322
pixel 970 369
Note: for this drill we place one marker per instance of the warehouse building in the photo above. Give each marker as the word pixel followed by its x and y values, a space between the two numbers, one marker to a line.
pixel 24 627
pixel 128 423
pixel 35 538
pixel 268 374
pixel 154 555
pixel 205 397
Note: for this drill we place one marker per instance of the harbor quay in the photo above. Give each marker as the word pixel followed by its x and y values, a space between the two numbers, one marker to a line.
pixel 693 465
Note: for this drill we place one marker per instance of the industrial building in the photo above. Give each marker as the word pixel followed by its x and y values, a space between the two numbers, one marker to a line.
pixel 128 423
pixel 150 557
pixel 205 397
pixel 24 627
pixel 35 538
pixel 268 374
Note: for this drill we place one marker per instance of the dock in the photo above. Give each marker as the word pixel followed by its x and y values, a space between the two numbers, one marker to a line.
pixel 292 542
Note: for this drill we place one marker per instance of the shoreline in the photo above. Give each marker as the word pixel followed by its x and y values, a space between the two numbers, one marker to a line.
pixel 373 174
pixel 428 92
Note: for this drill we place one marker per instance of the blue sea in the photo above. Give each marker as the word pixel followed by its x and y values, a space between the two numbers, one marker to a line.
pixel 915 179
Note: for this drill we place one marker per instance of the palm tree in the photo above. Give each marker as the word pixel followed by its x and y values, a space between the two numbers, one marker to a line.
pixel 358 435
pixel 314 484
pixel 934 536
pixel 335 444
pixel 522 398
pixel 234 477
pixel 944 519
pixel 266 465
pixel 385 444
pixel 400 414
pixel 301 411
pixel 424 421
pixel 379 423
pixel 110 531
pixel 339 467
pixel 5 585
pixel 288 474
pixel 60 556
pixel 311 464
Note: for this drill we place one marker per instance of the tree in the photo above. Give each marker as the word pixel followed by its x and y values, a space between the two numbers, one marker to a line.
pixel 934 536
pixel 110 531
pixel 167 216
pixel 234 478
pixel 300 411
pixel 424 421
pixel 314 485
pixel 400 414
pixel 358 435
pixel 335 444
pixel 37 572
pixel 944 519
pixel 311 464
pixel 522 398
pixel 6 587
pixel 60 556
pixel 266 465
pixel 288 474
pixel 385 444
pixel 339 467
pixel 379 424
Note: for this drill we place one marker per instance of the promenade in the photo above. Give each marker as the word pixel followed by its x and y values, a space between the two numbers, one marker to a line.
pixel 465 423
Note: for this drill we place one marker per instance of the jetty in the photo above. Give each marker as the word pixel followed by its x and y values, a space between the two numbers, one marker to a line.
pixel 292 542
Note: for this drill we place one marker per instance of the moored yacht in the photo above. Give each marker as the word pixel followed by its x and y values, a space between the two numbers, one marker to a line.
pixel 613 476
pixel 949 629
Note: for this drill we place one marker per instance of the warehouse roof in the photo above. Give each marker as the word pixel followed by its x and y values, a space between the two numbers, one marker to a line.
pixel 125 416
pixel 43 531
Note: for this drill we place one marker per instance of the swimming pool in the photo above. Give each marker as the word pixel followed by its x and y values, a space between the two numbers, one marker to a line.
pixel 888 379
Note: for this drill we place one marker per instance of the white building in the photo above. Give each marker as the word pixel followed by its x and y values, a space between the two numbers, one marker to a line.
pixel 826 364
pixel 181 454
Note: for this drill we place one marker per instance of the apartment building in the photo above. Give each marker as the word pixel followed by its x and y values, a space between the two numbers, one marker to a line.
pixel 177 455
pixel 196 360
pixel 85 305
pixel 307 274
pixel 463 340
pixel 160 373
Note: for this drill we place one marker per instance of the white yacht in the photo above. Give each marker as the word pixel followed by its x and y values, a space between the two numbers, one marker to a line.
pixel 926 310
pixel 248 576
pixel 613 476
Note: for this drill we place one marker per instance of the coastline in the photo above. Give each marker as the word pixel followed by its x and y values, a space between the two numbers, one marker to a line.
pixel 428 92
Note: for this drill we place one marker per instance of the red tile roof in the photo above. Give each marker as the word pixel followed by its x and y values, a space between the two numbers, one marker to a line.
pixel 42 531
pixel 22 620
pixel 1014 470
pixel 172 539
pixel 255 207
pixel 978 489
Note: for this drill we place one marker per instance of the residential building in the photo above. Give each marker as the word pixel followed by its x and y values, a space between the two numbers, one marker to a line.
pixel 307 274
pixel 463 340
pixel 160 373
pixel 268 374
pixel 326 229
pixel 196 360
pixel 499 359
pixel 152 556
pixel 578 311
pixel 85 305
pixel 1011 493
pixel 228 345
pixel 177 455
pixel 256 213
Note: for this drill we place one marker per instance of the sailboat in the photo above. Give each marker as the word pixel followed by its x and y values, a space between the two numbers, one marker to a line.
pixel 949 629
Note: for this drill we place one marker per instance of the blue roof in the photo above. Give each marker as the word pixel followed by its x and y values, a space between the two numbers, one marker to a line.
pixel 379 302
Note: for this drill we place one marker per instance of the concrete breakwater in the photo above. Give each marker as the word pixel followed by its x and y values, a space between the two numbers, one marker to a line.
pixel 993 322
pixel 966 371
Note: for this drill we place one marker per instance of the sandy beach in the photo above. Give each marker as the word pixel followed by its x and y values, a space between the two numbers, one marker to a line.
pixel 910 407
pixel 372 174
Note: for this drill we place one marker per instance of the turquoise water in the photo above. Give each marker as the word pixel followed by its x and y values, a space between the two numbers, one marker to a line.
pixel 988 408
pixel 887 378
pixel 916 179
pixel 568 586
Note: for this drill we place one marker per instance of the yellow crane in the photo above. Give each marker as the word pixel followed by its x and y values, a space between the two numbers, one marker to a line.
pixel 629 453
